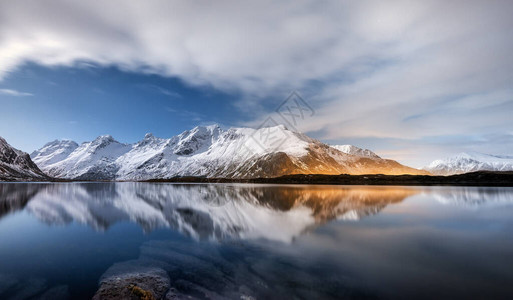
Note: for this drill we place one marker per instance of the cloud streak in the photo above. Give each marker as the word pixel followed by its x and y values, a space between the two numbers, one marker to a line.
pixel 14 93
pixel 160 90
pixel 409 70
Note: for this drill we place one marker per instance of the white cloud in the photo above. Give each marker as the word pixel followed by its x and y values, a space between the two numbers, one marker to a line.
pixel 379 69
pixel 14 93
pixel 253 47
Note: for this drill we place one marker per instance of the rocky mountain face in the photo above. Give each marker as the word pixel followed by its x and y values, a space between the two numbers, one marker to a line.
pixel 16 165
pixel 470 162
pixel 210 152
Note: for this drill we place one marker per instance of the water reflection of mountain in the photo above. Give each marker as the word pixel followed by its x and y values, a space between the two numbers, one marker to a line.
pixel 473 196
pixel 214 211
pixel 202 211
pixel 14 196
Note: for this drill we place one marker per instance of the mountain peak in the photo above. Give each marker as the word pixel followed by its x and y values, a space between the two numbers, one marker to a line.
pixel 54 151
pixel 212 127
pixel 277 126
pixel 105 137
pixel 58 142
pixel 103 141
pixel 197 139
pixel 203 129
pixel 353 150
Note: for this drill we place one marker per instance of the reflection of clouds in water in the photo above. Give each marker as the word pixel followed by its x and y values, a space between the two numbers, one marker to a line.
pixel 424 256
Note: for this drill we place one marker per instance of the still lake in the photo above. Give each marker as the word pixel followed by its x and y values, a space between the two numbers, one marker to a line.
pixel 57 240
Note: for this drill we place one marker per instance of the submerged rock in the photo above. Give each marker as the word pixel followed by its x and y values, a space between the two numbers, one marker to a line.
pixel 137 280
pixel 184 269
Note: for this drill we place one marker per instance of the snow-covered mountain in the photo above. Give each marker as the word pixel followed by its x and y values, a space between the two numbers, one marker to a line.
pixel 209 151
pixel 16 165
pixel 353 150
pixel 470 162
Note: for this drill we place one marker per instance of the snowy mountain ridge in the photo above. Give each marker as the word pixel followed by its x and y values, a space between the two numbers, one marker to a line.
pixel 470 162
pixel 212 152
pixel 353 150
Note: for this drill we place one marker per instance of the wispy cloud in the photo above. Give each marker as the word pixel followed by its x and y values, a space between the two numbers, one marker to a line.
pixel 14 93
pixel 191 115
pixel 158 89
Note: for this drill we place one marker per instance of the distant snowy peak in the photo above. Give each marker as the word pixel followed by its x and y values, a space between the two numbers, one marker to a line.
pixel 213 152
pixel 470 162
pixel 16 165
pixel 353 150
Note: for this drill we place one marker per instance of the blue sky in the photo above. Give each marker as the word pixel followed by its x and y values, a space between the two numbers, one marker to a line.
pixel 81 103
pixel 412 80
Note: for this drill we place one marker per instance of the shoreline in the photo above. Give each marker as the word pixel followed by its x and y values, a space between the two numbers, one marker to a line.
pixel 480 178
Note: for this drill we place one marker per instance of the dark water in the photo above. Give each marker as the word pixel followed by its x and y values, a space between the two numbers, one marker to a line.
pixel 258 241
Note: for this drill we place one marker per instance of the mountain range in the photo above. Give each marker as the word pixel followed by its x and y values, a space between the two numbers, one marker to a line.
pixel 209 151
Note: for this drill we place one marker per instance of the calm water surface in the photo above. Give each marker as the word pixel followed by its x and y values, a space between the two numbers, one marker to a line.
pixel 258 241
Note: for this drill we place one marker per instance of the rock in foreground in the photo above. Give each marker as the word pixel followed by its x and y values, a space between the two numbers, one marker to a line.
pixel 133 280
